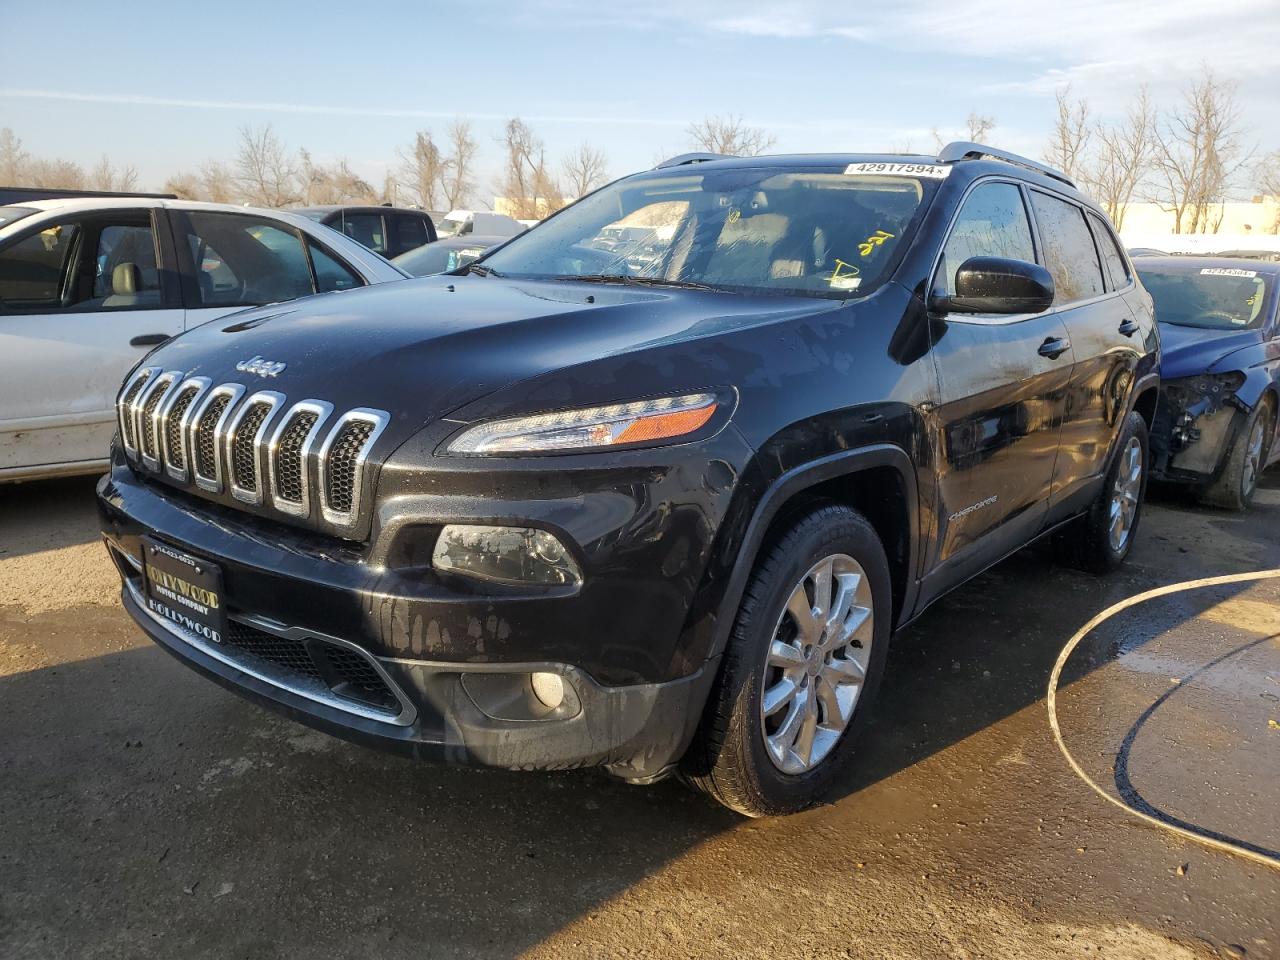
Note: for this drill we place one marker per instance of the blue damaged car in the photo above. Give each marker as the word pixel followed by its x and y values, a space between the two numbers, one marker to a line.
pixel 1215 427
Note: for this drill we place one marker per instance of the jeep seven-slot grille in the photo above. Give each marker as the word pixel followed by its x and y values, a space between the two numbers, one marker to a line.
pixel 206 445
pixel 126 408
pixel 340 469
pixel 289 464
pixel 244 448
pixel 175 452
pixel 228 439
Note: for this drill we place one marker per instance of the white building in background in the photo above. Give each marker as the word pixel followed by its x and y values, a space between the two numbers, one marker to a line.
pixel 1261 215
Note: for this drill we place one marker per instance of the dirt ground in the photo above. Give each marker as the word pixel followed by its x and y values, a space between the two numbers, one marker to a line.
pixel 145 812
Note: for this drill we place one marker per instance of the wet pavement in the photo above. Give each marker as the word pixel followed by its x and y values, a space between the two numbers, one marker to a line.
pixel 145 812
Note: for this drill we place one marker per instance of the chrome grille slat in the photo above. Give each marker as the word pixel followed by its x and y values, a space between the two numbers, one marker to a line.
pixel 126 407
pixel 342 460
pixel 290 454
pixel 208 427
pixel 174 416
pixel 148 404
pixel 244 441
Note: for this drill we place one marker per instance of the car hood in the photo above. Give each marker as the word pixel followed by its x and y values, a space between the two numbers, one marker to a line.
pixel 1188 351
pixel 419 349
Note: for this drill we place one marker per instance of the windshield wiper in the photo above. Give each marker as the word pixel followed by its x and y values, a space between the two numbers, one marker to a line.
pixel 638 281
pixel 480 270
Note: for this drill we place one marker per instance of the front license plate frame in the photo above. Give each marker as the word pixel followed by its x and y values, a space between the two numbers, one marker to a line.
pixel 184 590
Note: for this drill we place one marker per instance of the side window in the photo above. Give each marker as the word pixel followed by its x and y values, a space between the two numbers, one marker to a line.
pixel 992 223
pixel 35 272
pixel 331 273
pixel 366 229
pixel 240 259
pixel 1069 251
pixel 1117 270
pixel 125 272
pixel 410 232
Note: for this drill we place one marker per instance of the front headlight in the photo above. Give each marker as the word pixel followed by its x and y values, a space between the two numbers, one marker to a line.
pixel 590 428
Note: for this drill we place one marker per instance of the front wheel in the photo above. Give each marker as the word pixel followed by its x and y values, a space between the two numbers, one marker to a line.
pixel 1238 481
pixel 1101 539
pixel 802 666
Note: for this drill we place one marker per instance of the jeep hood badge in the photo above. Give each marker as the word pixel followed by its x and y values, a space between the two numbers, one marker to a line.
pixel 263 368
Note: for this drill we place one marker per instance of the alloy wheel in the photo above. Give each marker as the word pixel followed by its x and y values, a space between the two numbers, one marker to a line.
pixel 1253 457
pixel 1125 494
pixel 816 664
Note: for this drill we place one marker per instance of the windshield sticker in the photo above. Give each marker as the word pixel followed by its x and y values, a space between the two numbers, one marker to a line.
pixel 873 242
pixel 935 171
pixel 1227 272
pixel 845 276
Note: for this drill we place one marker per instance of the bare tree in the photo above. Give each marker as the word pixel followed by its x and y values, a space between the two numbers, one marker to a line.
pixel 58 174
pixel 184 186
pixel 265 173
pixel 729 135
pixel 13 159
pixel 335 183
pixel 104 176
pixel 1198 153
pixel 980 126
pixel 584 170
pixel 458 183
pixel 217 182
pixel 1267 180
pixel 422 169
pixel 1072 132
pixel 1122 161
pixel 526 182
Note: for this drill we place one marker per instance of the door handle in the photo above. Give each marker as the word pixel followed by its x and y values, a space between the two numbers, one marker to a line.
pixel 1129 328
pixel 1054 347
pixel 149 340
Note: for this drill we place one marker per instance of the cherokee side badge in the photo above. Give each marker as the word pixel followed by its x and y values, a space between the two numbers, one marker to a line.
pixel 263 368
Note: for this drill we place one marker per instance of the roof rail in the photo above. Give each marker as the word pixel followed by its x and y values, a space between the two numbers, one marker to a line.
pixel 964 150
pixel 687 158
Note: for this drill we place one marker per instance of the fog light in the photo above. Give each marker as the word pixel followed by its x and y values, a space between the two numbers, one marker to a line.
pixel 548 688
pixel 505 555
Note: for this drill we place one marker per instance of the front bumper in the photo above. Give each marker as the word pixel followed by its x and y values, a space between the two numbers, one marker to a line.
pixel 1195 421
pixel 289 593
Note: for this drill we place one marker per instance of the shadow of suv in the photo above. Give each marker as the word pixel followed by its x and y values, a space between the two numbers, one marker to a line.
pixel 654 504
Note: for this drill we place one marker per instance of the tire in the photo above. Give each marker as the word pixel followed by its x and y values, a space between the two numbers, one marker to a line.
pixel 1238 480
pixel 1095 542
pixel 728 759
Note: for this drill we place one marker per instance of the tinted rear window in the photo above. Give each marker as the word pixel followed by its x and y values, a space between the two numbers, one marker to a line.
pixel 12 214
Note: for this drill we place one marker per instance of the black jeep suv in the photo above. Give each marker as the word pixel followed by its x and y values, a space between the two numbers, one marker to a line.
pixel 657 505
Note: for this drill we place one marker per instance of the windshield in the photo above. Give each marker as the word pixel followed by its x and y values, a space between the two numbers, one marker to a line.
pixel 437 257
pixel 9 214
pixel 811 231
pixel 1214 298
pixel 450 228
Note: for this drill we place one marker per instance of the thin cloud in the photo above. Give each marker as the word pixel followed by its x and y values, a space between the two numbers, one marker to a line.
pixel 316 109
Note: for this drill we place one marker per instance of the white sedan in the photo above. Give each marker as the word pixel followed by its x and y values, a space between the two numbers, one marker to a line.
pixel 88 286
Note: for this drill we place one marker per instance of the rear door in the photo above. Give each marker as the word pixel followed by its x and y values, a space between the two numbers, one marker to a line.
pixel 1002 383
pixel 82 299
pixel 234 260
pixel 1105 338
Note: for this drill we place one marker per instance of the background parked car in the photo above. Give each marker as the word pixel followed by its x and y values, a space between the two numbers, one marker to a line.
pixel 88 286
pixel 445 255
pixel 1220 372
pixel 460 223
pixel 389 231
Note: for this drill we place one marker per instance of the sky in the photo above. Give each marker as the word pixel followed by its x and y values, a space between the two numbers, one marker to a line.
pixel 165 86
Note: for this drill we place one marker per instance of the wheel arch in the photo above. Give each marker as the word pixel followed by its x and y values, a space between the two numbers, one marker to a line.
pixel 879 481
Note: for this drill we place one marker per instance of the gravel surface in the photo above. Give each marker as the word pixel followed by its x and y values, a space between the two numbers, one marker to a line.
pixel 145 812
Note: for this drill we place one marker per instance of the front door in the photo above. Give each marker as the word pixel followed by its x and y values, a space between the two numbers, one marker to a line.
pixel 1002 387
pixel 82 299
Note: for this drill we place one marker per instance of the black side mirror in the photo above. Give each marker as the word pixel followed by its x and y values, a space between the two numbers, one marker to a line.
pixel 998 285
